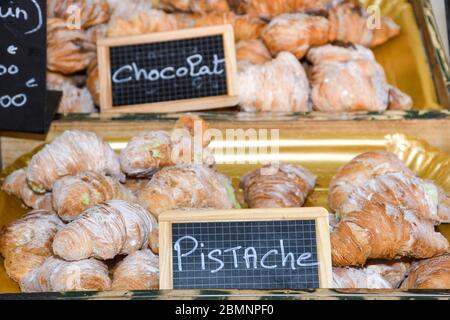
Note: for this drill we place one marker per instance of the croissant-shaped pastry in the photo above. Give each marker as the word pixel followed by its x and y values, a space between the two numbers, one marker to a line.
pixel 92 12
pixel 279 85
pixel 347 80
pixel 358 171
pixel 74 99
pixel 148 22
pixel 70 153
pixel 152 150
pixel 27 243
pixel 187 186
pixel 245 27
pixel 399 100
pixel 105 231
pixel 383 231
pixel 197 6
pixel 271 8
pixel 74 194
pixel 283 186
pixel 138 271
pixel 57 275
pixel 349 22
pixel 394 271
pixel 295 33
pixel 16 184
pixel 68 50
pixel 429 274
pixel 252 51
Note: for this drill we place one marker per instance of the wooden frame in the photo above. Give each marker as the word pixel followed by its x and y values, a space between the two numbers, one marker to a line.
pixel 321 215
pixel 104 65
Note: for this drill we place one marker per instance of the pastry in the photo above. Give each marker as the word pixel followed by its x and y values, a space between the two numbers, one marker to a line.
pixel 105 231
pixel 57 275
pixel 252 51
pixel 152 150
pixel 70 153
pixel 429 274
pixel 26 243
pixel 74 194
pixel 295 33
pixel 347 80
pixel 399 100
pixel 74 99
pixel 68 50
pixel 282 186
pixel 16 184
pixel 245 27
pixel 349 22
pixel 271 8
pixel 148 22
pixel 197 6
pixel 187 186
pixel 138 271
pixel 279 85
pixel 92 12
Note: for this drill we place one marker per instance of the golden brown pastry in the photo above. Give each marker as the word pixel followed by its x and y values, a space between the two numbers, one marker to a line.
pixel 384 231
pixel 148 22
pixel 138 271
pixel 429 274
pixel 68 51
pixel 349 22
pixel 443 205
pixel 74 99
pixel 347 79
pixel 27 242
pixel 279 85
pixel 152 150
pixel 93 82
pixel 16 184
pixel 125 9
pixel 105 231
pixel 281 186
pixel 197 6
pixel 134 185
pixel 187 186
pixel 295 33
pixel 271 8
pixel 245 27
pixel 74 194
pixel 252 51
pixel 92 12
pixel 399 100
pixel 57 275
pixel 394 271
pixel 70 153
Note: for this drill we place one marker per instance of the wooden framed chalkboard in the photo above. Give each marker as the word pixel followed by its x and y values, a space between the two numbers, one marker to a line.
pixel 185 70
pixel 25 105
pixel 261 249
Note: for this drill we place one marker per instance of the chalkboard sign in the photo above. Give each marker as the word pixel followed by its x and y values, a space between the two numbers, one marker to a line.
pixel 193 69
pixel 24 103
pixel 261 249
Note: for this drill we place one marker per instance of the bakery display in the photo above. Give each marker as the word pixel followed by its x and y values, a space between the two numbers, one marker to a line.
pixel 100 232
pixel 335 37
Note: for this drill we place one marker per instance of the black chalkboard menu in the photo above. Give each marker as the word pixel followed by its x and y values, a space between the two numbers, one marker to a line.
pixel 24 103
pixel 184 70
pixel 245 249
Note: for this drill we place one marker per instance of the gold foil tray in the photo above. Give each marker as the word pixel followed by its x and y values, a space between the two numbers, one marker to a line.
pixel 321 154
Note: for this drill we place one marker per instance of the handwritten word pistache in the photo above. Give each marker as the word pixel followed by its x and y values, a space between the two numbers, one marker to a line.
pixel 248 258
pixel 195 67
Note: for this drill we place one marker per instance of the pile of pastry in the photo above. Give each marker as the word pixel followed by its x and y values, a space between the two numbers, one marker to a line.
pixel 94 224
pixel 294 55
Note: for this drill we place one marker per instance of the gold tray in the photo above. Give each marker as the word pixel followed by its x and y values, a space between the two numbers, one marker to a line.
pixel 321 154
